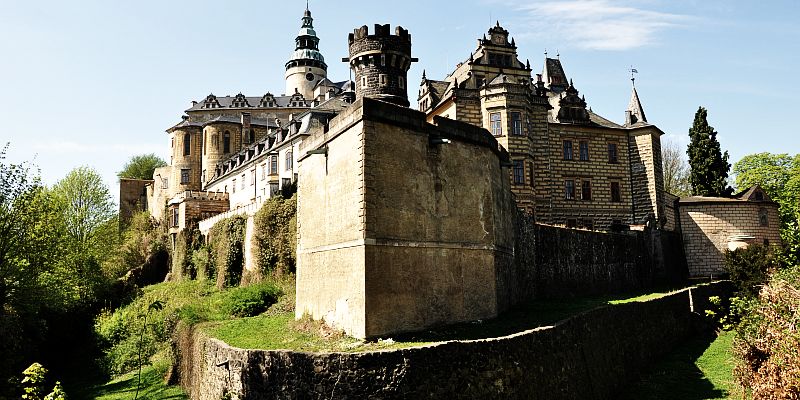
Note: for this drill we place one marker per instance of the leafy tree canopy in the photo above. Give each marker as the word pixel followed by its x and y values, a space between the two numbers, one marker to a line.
pixel 709 165
pixel 141 166
pixel 85 202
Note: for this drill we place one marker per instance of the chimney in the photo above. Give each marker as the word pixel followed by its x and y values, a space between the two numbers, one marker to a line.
pixel 246 127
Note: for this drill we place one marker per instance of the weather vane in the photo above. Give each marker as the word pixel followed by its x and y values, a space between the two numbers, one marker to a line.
pixel 633 77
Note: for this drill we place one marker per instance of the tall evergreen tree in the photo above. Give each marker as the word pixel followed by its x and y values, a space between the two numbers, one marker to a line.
pixel 709 166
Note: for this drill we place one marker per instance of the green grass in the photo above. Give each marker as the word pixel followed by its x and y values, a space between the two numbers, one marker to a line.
pixel 701 368
pixel 124 386
pixel 278 330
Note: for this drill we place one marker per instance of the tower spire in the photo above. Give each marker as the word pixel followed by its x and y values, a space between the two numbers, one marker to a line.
pixel 635 112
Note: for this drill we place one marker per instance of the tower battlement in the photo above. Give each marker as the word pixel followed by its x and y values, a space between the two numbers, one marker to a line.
pixel 381 62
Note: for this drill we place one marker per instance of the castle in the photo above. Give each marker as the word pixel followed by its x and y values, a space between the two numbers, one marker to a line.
pixel 406 218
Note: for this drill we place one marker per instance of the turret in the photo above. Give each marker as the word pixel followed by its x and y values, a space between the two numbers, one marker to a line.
pixel 306 67
pixel 381 62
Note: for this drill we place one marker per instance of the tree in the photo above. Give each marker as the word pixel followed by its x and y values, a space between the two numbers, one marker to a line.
pixel 141 166
pixel 676 170
pixel 85 203
pixel 709 166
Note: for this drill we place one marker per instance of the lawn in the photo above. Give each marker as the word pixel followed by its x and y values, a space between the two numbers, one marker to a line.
pixel 124 386
pixel 699 369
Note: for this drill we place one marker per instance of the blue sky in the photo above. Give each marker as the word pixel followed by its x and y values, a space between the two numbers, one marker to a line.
pixel 95 82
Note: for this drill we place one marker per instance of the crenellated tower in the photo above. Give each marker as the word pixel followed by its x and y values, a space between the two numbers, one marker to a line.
pixel 381 62
pixel 306 67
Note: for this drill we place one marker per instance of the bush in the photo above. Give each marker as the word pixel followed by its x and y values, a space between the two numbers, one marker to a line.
pixel 250 300
pixel 749 268
pixel 275 236
pixel 189 301
pixel 767 345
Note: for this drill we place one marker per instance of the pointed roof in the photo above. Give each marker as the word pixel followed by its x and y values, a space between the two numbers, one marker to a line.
pixel 553 75
pixel 635 109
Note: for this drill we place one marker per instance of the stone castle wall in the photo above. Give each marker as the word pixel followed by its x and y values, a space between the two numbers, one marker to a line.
pixel 592 355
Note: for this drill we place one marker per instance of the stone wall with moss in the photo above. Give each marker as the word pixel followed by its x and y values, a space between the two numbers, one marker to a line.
pixel 589 356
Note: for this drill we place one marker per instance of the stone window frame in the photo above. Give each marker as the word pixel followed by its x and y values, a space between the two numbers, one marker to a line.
pixel 569 189
pixel 616 192
pixel 586 189
pixel 583 150
pixel 567 150
pixel 496 123
pixel 518 170
pixel 288 161
pixel 244 180
pixel 264 171
pixel 763 217
pixel 516 123
pixel 176 216
pixel 252 177
pixel 187 144
pixel 186 175
pixel 613 153
pixel 273 164
pixel 226 142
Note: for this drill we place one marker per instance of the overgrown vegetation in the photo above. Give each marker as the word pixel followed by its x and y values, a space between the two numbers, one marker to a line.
pixel 708 174
pixel 276 236
pixel 190 301
pixel 226 244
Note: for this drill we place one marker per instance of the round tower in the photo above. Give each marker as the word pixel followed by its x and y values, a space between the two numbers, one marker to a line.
pixel 306 66
pixel 381 62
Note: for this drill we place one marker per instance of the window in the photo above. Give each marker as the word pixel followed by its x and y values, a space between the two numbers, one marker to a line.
pixel 288 160
pixel 273 165
pixel 383 79
pixel 184 176
pixel 176 216
pixel 252 177
pixel 263 171
pixel 233 186
pixel 215 142
pixel 495 124
pixel 568 149
pixel 383 60
pixel 251 137
pixel 243 179
pixel 762 217
pixel 187 144
pixel 759 196
pixel 285 182
pixel 612 153
pixel 586 190
pixel 516 123
pixel 273 189
pixel 616 194
pixel 583 147
pixel 569 189
pixel 226 142
pixel 364 82
pixel 401 82
pixel 519 172
pixel 172 142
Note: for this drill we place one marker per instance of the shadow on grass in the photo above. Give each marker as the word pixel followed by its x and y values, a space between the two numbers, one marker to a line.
pixel 124 387
pixel 523 317
pixel 678 376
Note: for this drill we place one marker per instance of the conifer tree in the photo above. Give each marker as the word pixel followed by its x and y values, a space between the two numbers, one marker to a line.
pixel 709 166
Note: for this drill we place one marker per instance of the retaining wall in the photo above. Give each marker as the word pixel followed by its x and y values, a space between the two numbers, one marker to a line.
pixel 589 356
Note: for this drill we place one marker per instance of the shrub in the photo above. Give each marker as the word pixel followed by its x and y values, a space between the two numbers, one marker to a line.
pixel 767 345
pixel 250 300
pixel 749 267
pixel 275 236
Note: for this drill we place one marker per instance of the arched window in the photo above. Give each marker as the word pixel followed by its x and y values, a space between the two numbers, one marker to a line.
pixel 226 142
pixel 187 144
pixel 215 142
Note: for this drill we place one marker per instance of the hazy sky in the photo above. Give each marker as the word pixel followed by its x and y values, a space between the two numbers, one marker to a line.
pixel 95 82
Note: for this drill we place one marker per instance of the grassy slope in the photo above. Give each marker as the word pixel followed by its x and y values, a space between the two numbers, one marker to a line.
pixel 279 331
pixel 124 387
pixel 699 369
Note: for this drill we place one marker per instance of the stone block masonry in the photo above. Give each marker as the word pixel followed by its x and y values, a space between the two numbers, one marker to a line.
pixel 592 355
